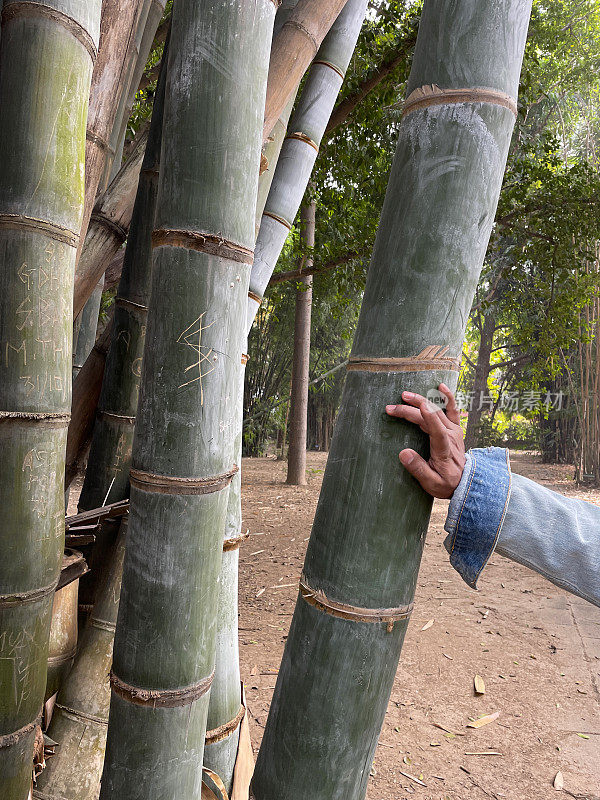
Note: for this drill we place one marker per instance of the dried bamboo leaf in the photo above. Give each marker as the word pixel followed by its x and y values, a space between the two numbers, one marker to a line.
pixel 479 723
pixel 559 782
pixel 479 684
pixel 428 625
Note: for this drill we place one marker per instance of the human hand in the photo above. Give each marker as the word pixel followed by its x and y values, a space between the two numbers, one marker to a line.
pixel 442 473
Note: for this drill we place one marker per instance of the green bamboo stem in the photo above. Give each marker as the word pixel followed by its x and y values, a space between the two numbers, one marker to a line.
pixel 184 441
pixel 80 717
pixel 363 556
pixel 86 328
pixel 46 60
pixel 318 98
pixel 107 476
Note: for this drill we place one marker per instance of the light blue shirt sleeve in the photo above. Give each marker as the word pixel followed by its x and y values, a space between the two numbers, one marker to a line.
pixel 494 510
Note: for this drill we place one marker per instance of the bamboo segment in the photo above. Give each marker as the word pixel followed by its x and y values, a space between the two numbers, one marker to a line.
pixel 363 556
pixel 301 145
pixel 225 694
pixel 80 717
pixel 184 441
pixel 107 475
pixel 84 337
pixel 117 37
pixel 63 635
pixel 295 46
pixel 46 59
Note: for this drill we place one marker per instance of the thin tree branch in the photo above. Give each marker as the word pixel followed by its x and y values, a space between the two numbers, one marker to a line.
pixel 301 273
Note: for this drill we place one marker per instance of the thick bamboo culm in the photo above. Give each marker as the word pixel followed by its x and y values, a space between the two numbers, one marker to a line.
pixel 63 635
pixel 107 476
pixel 80 716
pixel 184 440
pixel 300 147
pixel 86 327
pixel 109 223
pixel 147 25
pixel 318 98
pixel 117 39
pixel 294 47
pixel 360 572
pixel 46 60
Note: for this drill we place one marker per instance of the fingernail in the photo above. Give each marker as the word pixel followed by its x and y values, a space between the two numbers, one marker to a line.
pixel 389 408
pixel 443 388
pixel 406 457
pixel 408 395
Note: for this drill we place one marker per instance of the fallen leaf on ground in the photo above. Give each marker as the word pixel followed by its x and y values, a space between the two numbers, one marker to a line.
pixel 483 753
pixel 261 592
pixel 479 684
pixel 558 781
pixel 582 735
pixel 448 730
pixel 479 723
pixel 428 625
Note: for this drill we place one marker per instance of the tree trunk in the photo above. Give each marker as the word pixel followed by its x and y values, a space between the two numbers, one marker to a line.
pixel 46 62
pixel 86 328
pixel 184 439
pixel 294 47
pixel 117 39
pixel 360 572
pixel 296 471
pixel 107 475
pixel 80 713
pixel 480 382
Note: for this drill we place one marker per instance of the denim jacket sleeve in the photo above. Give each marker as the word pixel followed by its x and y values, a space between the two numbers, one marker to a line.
pixel 491 509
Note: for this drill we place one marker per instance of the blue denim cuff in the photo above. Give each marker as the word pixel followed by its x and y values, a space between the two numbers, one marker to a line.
pixel 477 511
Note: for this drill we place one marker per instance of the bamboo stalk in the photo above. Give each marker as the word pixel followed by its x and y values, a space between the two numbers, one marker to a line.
pixel 107 475
pixel 63 636
pixel 363 556
pixel 80 716
pixel 184 439
pixel 109 225
pixel 117 40
pixel 86 328
pixel 294 47
pixel 300 147
pixel 46 60
pixel 318 98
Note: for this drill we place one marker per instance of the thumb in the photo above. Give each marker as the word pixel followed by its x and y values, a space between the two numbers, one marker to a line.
pixel 420 469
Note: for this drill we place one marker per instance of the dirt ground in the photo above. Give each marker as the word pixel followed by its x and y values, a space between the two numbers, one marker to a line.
pixel 536 648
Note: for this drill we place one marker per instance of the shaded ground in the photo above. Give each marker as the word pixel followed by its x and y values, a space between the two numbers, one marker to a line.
pixel 536 647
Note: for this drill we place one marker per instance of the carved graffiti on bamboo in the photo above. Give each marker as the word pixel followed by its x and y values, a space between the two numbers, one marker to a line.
pixel 192 337
pixel 40 325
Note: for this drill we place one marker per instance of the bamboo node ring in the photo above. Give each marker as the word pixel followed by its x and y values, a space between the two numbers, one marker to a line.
pixel 102 624
pixel 43 419
pixel 81 715
pixel 432 95
pixel 235 542
pixel 256 297
pixel 97 140
pixel 9 739
pixel 209 243
pixel 292 23
pixel 126 418
pixel 318 599
pixel 167 484
pixel 223 731
pixel 431 358
pixel 302 137
pixel 46 228
pixel 330 65
pixel 278 219
pixel 116 230
pixel 124 303
pixel 29 9
pixel 160 698
pixel 18 598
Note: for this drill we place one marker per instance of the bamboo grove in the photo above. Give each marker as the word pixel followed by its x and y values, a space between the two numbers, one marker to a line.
pixel 127 657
